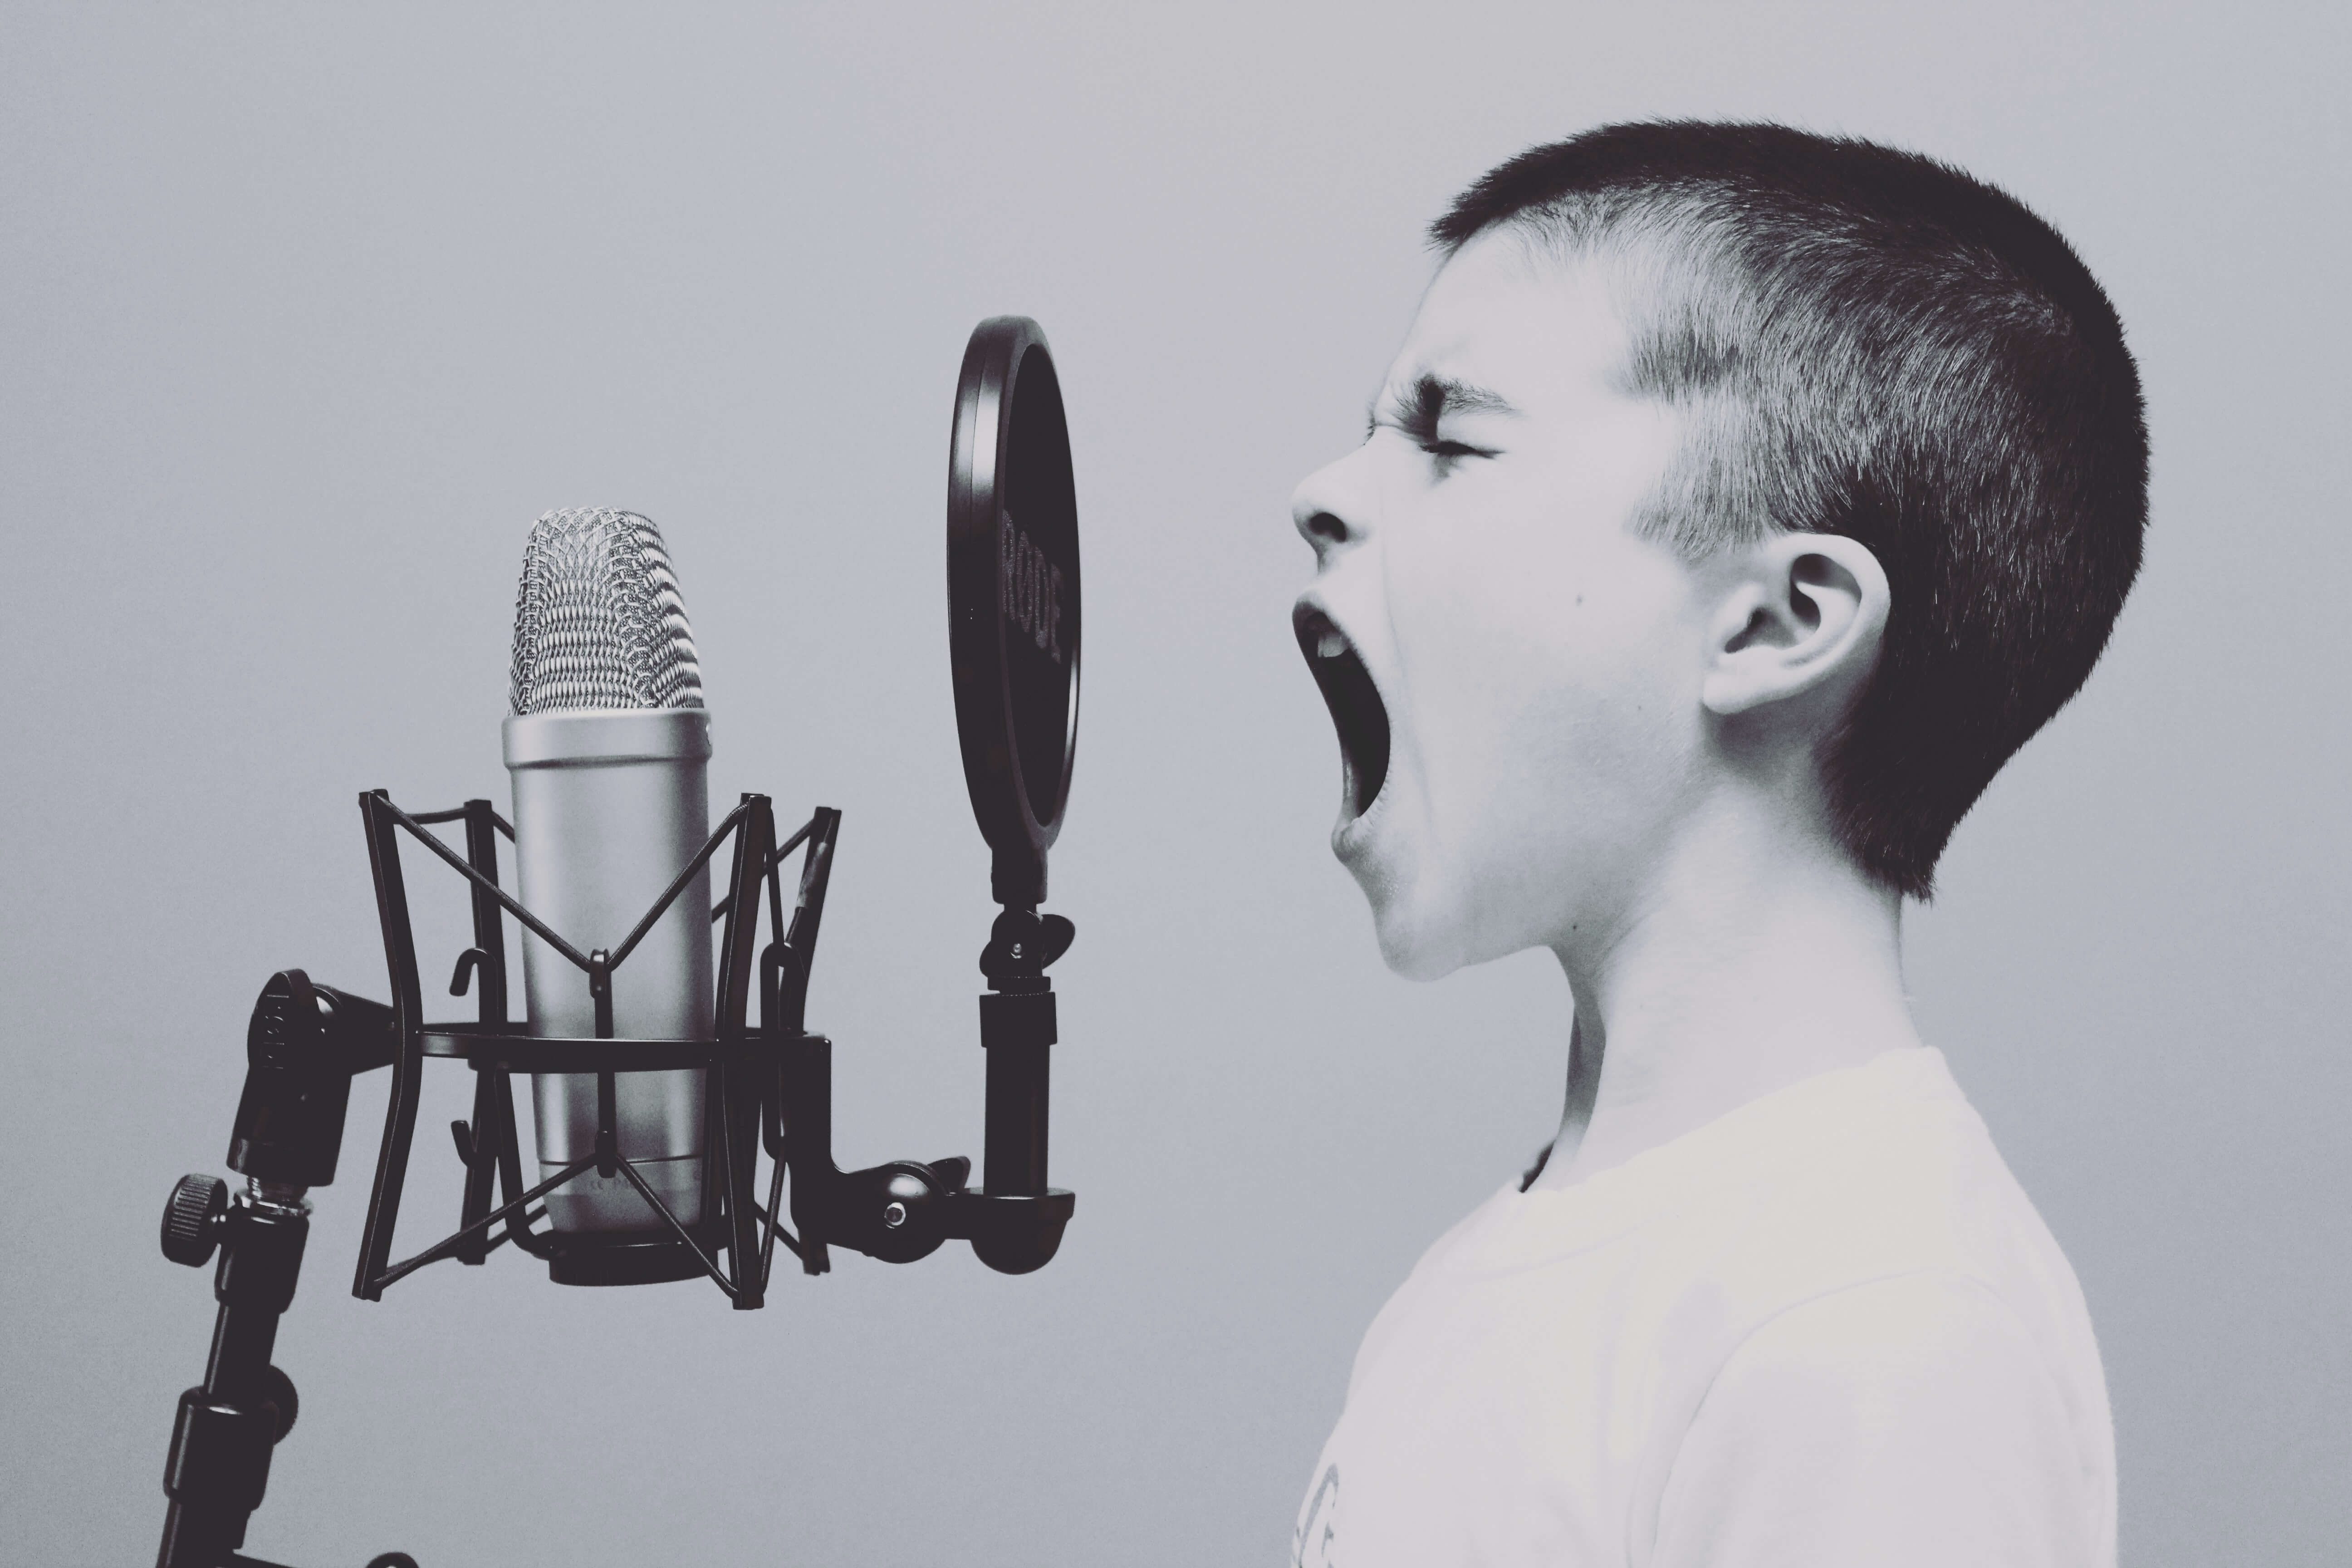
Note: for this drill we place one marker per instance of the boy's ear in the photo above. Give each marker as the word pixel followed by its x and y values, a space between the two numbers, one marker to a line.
pixel 1803 613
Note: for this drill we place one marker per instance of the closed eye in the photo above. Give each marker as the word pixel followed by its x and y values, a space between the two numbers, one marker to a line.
pixel 1445 454
pixel 1416 411
pixel 1437 446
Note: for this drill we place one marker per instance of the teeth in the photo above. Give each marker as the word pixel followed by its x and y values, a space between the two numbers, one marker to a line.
pixel 1331 645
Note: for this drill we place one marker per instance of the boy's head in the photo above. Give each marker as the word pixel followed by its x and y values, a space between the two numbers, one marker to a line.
pixel 1712 446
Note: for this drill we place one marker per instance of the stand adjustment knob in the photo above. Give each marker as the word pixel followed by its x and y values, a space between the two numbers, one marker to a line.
pixel 278 1393
pixel 191 1219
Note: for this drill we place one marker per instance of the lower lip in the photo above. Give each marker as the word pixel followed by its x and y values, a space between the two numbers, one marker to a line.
pixel 1353 836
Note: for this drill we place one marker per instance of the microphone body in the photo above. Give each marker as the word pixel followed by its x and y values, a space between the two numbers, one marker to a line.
pixel 608 747
pixel 608 806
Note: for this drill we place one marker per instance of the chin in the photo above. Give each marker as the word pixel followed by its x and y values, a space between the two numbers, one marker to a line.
pixel 1431 926
pixel 1417 941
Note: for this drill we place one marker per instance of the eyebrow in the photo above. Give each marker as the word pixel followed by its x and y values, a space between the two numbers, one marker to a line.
pixel 1430 399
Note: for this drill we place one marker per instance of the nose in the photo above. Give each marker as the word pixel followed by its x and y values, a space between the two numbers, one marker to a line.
pixel 1332 507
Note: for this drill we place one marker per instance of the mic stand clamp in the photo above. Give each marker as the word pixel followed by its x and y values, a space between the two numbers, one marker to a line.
pixel 904 1210
pixel 1016 1224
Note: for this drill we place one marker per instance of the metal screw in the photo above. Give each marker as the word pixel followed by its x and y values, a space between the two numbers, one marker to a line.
pixel 894 1216
pixel 279 1197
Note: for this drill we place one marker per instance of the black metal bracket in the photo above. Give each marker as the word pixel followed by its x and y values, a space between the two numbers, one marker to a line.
pixel 497 1047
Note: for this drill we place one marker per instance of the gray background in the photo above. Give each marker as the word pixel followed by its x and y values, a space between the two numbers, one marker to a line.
pixel 308 312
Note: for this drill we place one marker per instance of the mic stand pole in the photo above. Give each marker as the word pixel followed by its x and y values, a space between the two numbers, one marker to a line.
pixel 227 1427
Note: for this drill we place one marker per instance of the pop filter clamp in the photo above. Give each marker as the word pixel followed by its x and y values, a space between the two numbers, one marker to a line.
pixel 1013 619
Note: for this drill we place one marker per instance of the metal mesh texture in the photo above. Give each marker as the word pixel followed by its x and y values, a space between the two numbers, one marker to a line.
pixel 598 620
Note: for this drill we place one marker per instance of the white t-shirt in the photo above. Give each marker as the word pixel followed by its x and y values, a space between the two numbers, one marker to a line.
pixel 1824 1330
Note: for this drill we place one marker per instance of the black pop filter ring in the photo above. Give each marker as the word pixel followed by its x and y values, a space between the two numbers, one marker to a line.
pixel 1013 598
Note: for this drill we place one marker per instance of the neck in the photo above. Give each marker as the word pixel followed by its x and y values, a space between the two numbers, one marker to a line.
pixel 1756 960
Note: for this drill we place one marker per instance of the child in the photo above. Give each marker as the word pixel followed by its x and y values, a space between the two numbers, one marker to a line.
pixel 1740 500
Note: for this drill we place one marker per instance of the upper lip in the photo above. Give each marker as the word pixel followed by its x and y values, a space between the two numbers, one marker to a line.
pixel 1354 699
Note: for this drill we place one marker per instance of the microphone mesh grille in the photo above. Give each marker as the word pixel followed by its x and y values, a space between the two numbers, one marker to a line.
pixel 598 620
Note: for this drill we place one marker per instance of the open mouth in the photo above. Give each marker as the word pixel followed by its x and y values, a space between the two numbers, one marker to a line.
pixel 1357 711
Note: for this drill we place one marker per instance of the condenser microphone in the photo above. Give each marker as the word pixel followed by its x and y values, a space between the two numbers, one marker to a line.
pixel 608 746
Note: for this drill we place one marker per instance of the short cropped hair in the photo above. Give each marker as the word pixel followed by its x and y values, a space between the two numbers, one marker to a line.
pixel 1872 344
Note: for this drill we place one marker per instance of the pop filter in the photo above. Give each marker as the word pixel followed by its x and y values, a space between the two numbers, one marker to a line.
pixel 1013 598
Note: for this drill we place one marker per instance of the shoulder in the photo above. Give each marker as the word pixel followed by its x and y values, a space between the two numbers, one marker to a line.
pixel 1913 1418
pixel 1871 1320
pixel 1868 1174
pixel 1869 1353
